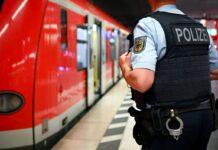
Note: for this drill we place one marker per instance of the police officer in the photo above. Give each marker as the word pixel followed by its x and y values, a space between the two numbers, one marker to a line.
pixel 169 69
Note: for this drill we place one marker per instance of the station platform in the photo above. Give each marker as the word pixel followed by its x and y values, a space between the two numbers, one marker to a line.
pixel 108 126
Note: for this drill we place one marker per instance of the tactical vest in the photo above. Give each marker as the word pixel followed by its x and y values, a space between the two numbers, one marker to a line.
pixel 182 76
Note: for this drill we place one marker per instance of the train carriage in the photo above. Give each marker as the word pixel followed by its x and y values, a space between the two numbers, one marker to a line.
pixel 57 57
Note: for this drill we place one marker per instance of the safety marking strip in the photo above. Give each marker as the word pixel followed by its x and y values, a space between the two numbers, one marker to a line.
pixel 113 135
pixel 117 125
pixel 122 115
pixel 124 108
pixel 111 138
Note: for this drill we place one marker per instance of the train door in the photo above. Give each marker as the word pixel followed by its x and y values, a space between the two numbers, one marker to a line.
pixel 115 47
pixel 90 67
pixel 103 58
pixel 60 85
pixel 109 57
pixel 45 80
pixel 94 60
pixel 120 52
pixel 97 57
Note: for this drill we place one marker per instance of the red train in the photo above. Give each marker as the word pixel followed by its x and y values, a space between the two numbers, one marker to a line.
pixel 57 57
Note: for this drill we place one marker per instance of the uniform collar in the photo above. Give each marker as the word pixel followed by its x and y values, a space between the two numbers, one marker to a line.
pixel 170 8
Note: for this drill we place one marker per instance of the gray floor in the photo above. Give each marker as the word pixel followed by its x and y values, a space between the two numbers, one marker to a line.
pixel 90 130
pixel 213 143
pixel 215 88
pixel 109 117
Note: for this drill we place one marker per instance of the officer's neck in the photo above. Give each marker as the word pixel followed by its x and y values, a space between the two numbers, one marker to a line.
pixel 158 5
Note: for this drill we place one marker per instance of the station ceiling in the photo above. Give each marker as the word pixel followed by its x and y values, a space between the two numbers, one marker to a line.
pixel 207 9
pixel 128 11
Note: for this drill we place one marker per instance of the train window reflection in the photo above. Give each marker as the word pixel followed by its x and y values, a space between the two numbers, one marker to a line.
pixel 82 47
pixel 64 42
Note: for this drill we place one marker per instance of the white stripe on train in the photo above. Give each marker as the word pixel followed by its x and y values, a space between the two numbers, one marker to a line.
pixel 24 137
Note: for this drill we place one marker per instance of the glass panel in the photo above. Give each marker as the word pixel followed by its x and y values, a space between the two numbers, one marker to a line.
pixel 112 49
pixel 81 56
pixel 82 47
pixel 82 34
pixel 64 42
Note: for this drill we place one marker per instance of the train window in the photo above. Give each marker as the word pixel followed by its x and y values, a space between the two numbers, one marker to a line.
pixel 1 3
pixel 124 44
pixel 64 41
pixel 115 35
pixel 112 49
pixel 82 47
pixel 103 35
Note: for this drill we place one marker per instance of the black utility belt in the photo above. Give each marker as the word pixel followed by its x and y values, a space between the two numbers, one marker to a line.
pixel 156 121
pixel 166 112
pixel 202 106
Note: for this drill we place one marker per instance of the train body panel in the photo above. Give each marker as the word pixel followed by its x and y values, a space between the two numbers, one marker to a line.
pixel 18 55
pixel 59 83
pixel 19 35
pixel 57 77
pixel 56 60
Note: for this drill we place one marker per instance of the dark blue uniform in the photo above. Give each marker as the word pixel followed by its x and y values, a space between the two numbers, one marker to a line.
pixel 150 46
pixel 196 133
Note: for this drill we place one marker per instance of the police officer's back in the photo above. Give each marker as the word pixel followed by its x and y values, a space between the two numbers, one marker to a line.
pixel 172 61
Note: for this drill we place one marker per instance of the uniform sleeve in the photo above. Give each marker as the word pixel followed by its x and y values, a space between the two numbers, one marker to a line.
pixel 213 56
pixel 147 45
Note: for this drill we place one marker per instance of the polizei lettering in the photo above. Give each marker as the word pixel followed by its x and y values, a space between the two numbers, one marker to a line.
pixel 190 35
